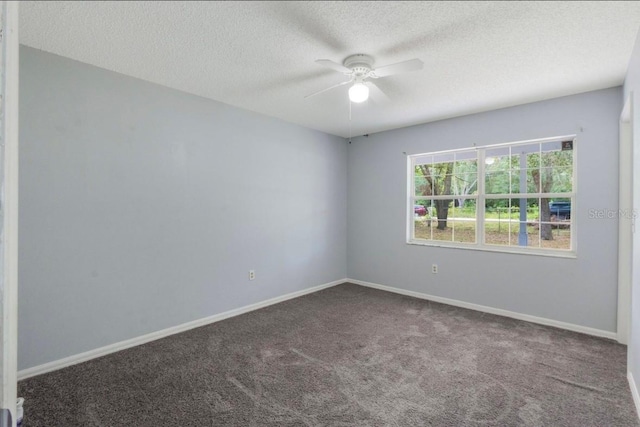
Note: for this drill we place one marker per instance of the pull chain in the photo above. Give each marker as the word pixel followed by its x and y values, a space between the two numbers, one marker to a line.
pixel 349 121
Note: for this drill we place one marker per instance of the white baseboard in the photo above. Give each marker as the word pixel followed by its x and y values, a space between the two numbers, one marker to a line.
pixel 122 345
pixel 112 348
pixel 491 310
pixel 634 392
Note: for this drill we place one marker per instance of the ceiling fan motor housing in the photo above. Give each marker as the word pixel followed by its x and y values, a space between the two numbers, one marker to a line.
pixel 359 69
pixel 360 65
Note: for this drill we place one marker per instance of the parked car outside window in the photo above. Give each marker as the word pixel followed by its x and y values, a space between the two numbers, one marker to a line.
pixel 562 210
pixel 420 210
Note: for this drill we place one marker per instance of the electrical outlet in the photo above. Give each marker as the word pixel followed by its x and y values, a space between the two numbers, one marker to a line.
pixel 252 274
pixel 434 268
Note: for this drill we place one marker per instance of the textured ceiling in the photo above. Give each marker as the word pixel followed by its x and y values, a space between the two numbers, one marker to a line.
pixel 260 56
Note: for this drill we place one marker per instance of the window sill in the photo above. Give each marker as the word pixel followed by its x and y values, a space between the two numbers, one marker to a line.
pixel 488 248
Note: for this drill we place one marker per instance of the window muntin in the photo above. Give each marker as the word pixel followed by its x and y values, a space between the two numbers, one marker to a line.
pixel 516 197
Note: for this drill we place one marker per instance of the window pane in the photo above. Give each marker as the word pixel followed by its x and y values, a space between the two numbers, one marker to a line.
pixel 555 223
pixel 526 232
pixel 525 162
pixel 497 233
pixel 421 229
pixel 462 218
pixel 422 180
pixel 422 219
pixel 464 231
pixel 442 181
pixel 556 168
pixel 440 171
pixel 497 182
pixel 438 179
pixel 530 179
pixel 465 177
pixel 497 171
pixel 560 235
pixel 560 179
pixel 515 182
pixel 441 212
pixel 498 216
pixel 464 208
pixel 552 155
pixel 444 234
pixel 497 158
pixel 559 209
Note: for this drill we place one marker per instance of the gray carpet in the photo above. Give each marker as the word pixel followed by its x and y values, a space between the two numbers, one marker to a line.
pixel 346 356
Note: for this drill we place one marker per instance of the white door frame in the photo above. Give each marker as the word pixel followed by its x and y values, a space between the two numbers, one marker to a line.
pixel 626 222
pixel 9 208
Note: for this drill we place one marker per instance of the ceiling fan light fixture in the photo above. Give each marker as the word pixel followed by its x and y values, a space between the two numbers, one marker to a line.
pixel 359 92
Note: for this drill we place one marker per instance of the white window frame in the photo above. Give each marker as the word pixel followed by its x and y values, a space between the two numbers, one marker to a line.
pixel 481 198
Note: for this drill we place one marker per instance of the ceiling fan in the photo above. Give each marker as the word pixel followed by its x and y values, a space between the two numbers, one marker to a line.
pixel 359 69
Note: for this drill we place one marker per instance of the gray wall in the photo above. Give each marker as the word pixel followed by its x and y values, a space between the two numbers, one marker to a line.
pixel 143 207
pixel 632 85
pixel 580 291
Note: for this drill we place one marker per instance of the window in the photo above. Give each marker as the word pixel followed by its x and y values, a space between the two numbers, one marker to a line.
pixel 515 197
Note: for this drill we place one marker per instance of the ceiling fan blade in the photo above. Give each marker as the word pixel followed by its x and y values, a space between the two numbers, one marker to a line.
pixel 376 93
pixel 334 66
pixel 400 67
pixel 329 88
